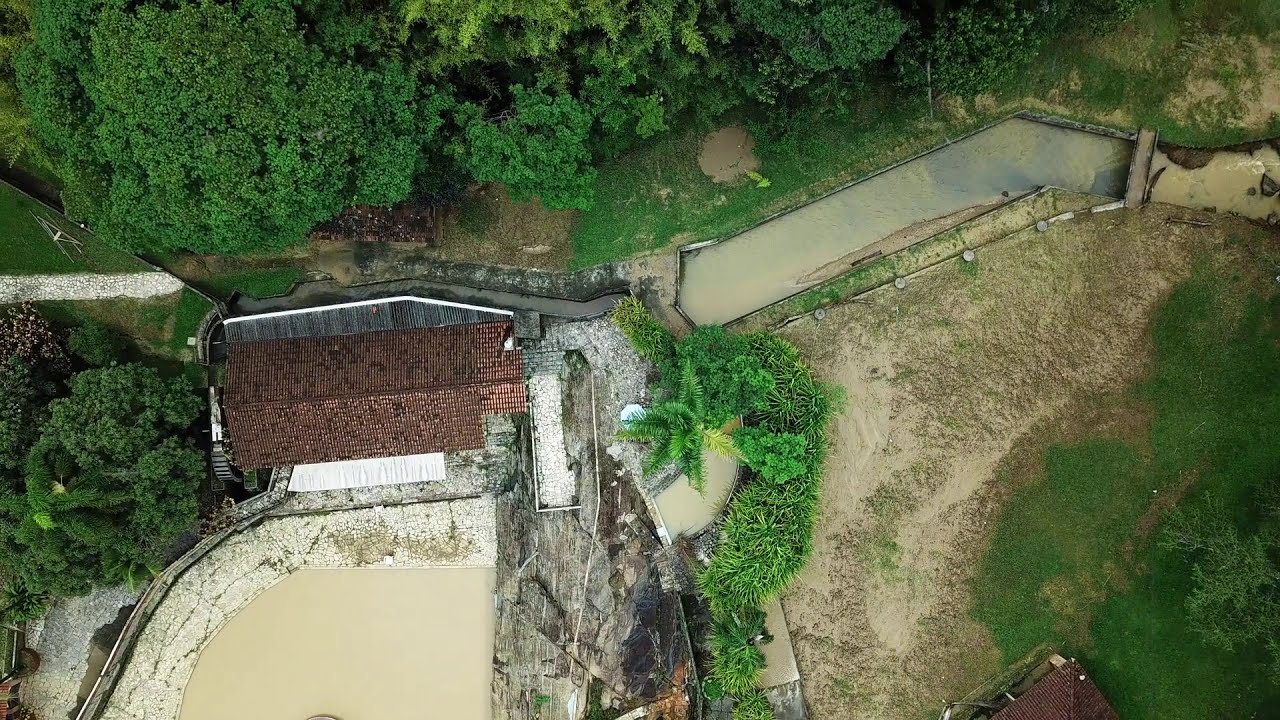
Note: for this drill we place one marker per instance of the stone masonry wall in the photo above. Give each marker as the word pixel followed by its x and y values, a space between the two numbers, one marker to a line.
pixel 86 286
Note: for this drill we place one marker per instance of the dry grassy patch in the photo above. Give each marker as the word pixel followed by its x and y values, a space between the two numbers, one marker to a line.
pixel 942 381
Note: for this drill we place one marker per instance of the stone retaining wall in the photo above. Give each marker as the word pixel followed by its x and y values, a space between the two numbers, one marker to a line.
pixel 86 286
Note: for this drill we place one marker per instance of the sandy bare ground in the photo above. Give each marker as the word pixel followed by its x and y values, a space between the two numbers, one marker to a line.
pixel 942 379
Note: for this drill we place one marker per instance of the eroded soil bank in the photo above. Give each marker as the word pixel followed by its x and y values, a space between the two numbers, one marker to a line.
pixel 942 380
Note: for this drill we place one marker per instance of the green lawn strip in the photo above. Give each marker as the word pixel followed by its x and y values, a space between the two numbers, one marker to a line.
pixel 258 282
pixel 157 328
pixel 1057 569
pixel 946 245
pixel 26 249
pixel 657 193
pixel 1144 63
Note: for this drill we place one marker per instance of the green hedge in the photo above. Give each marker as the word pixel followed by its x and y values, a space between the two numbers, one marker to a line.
pixel 767 534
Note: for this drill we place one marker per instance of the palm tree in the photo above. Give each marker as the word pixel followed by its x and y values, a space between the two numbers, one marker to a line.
pixel 676 433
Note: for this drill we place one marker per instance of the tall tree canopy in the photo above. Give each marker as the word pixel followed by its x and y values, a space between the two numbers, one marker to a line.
pixel 235 125
pixel 108 486
pixel 218 127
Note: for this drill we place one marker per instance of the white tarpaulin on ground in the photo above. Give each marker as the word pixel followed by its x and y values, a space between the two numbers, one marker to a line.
pixel 368 473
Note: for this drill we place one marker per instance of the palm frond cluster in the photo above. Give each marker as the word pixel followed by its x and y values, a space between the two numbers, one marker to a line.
pixel 767 535
pixel 677 432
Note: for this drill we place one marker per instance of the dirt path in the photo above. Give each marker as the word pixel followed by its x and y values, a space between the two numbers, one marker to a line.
pixel 941 380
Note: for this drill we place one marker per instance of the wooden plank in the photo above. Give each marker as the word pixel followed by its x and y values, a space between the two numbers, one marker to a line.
pixel 1140 168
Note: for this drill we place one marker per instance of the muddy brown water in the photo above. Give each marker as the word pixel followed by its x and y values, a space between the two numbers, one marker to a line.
pixel 358 644
pixel 785 255
pixel 686 512
pixel 1224 183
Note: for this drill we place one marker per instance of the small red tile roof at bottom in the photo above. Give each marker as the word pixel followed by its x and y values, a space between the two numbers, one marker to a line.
pixel 1066 693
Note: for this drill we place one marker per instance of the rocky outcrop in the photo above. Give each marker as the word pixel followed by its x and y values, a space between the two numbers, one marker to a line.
pixel 580 594
pixel 1269 186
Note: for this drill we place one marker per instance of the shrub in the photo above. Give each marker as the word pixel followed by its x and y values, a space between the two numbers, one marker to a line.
pixel 753 705
pixel 774 456
pixel 96 344
pixel 26 335
pixel 797 403
pixel 765 541
pixel 973 48
pixel 21 603
pixel 735 660
pixel 677 434
pixel 1235 597
pixel 647 335
pixel 735 381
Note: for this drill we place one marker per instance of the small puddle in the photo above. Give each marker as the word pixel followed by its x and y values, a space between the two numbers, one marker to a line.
pixel 684 511
pixel 797 250
pixel 1231 181
pixel 390 644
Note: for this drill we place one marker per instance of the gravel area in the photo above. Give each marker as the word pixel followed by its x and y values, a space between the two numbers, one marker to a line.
pixel 621 379
pixel 460 533
pixel 63 640
pixel 557 484
pixel 86 286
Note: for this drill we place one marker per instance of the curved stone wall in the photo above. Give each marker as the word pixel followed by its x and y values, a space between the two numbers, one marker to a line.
pixel 458 533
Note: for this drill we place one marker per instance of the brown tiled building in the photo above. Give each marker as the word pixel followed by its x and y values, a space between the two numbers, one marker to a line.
pixel 391 392
pixel 1065 693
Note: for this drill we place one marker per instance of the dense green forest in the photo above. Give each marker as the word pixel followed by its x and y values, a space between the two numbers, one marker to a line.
pixel 228 127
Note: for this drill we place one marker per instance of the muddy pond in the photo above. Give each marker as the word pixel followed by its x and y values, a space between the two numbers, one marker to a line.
pixel 381 644
pixel 893 209
pixel 685 511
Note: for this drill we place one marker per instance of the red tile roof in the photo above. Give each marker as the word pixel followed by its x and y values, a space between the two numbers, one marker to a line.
pixel 378 394
pixel 1066 693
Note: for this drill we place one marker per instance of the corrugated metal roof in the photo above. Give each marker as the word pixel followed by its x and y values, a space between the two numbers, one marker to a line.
pixel 399 313
pixel 428 467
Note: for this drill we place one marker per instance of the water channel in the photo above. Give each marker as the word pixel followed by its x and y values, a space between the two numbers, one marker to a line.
pixel 1226 181
pixel 390 644
pixel 893 209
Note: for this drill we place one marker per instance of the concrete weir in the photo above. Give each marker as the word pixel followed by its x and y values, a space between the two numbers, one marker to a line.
pixel 895 208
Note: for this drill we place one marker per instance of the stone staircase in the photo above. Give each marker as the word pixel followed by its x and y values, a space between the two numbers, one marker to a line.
pixel 222 474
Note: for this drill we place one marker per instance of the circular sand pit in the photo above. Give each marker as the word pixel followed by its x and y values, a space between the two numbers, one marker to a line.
pixel 726 154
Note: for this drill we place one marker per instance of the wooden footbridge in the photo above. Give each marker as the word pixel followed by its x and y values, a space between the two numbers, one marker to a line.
pixel 1144 149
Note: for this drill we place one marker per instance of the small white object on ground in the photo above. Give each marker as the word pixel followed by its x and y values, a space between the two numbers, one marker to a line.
pixel 900 283
pixel 631 412
pixel 969 255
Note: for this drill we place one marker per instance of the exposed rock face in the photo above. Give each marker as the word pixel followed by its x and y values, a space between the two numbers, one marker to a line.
pixel 1269 186
pixel 584 594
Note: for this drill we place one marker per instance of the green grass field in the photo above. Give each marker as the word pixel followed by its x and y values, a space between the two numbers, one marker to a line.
pixel 258 283
pixel 157 328
pixel 25 248
pixel 1073 563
